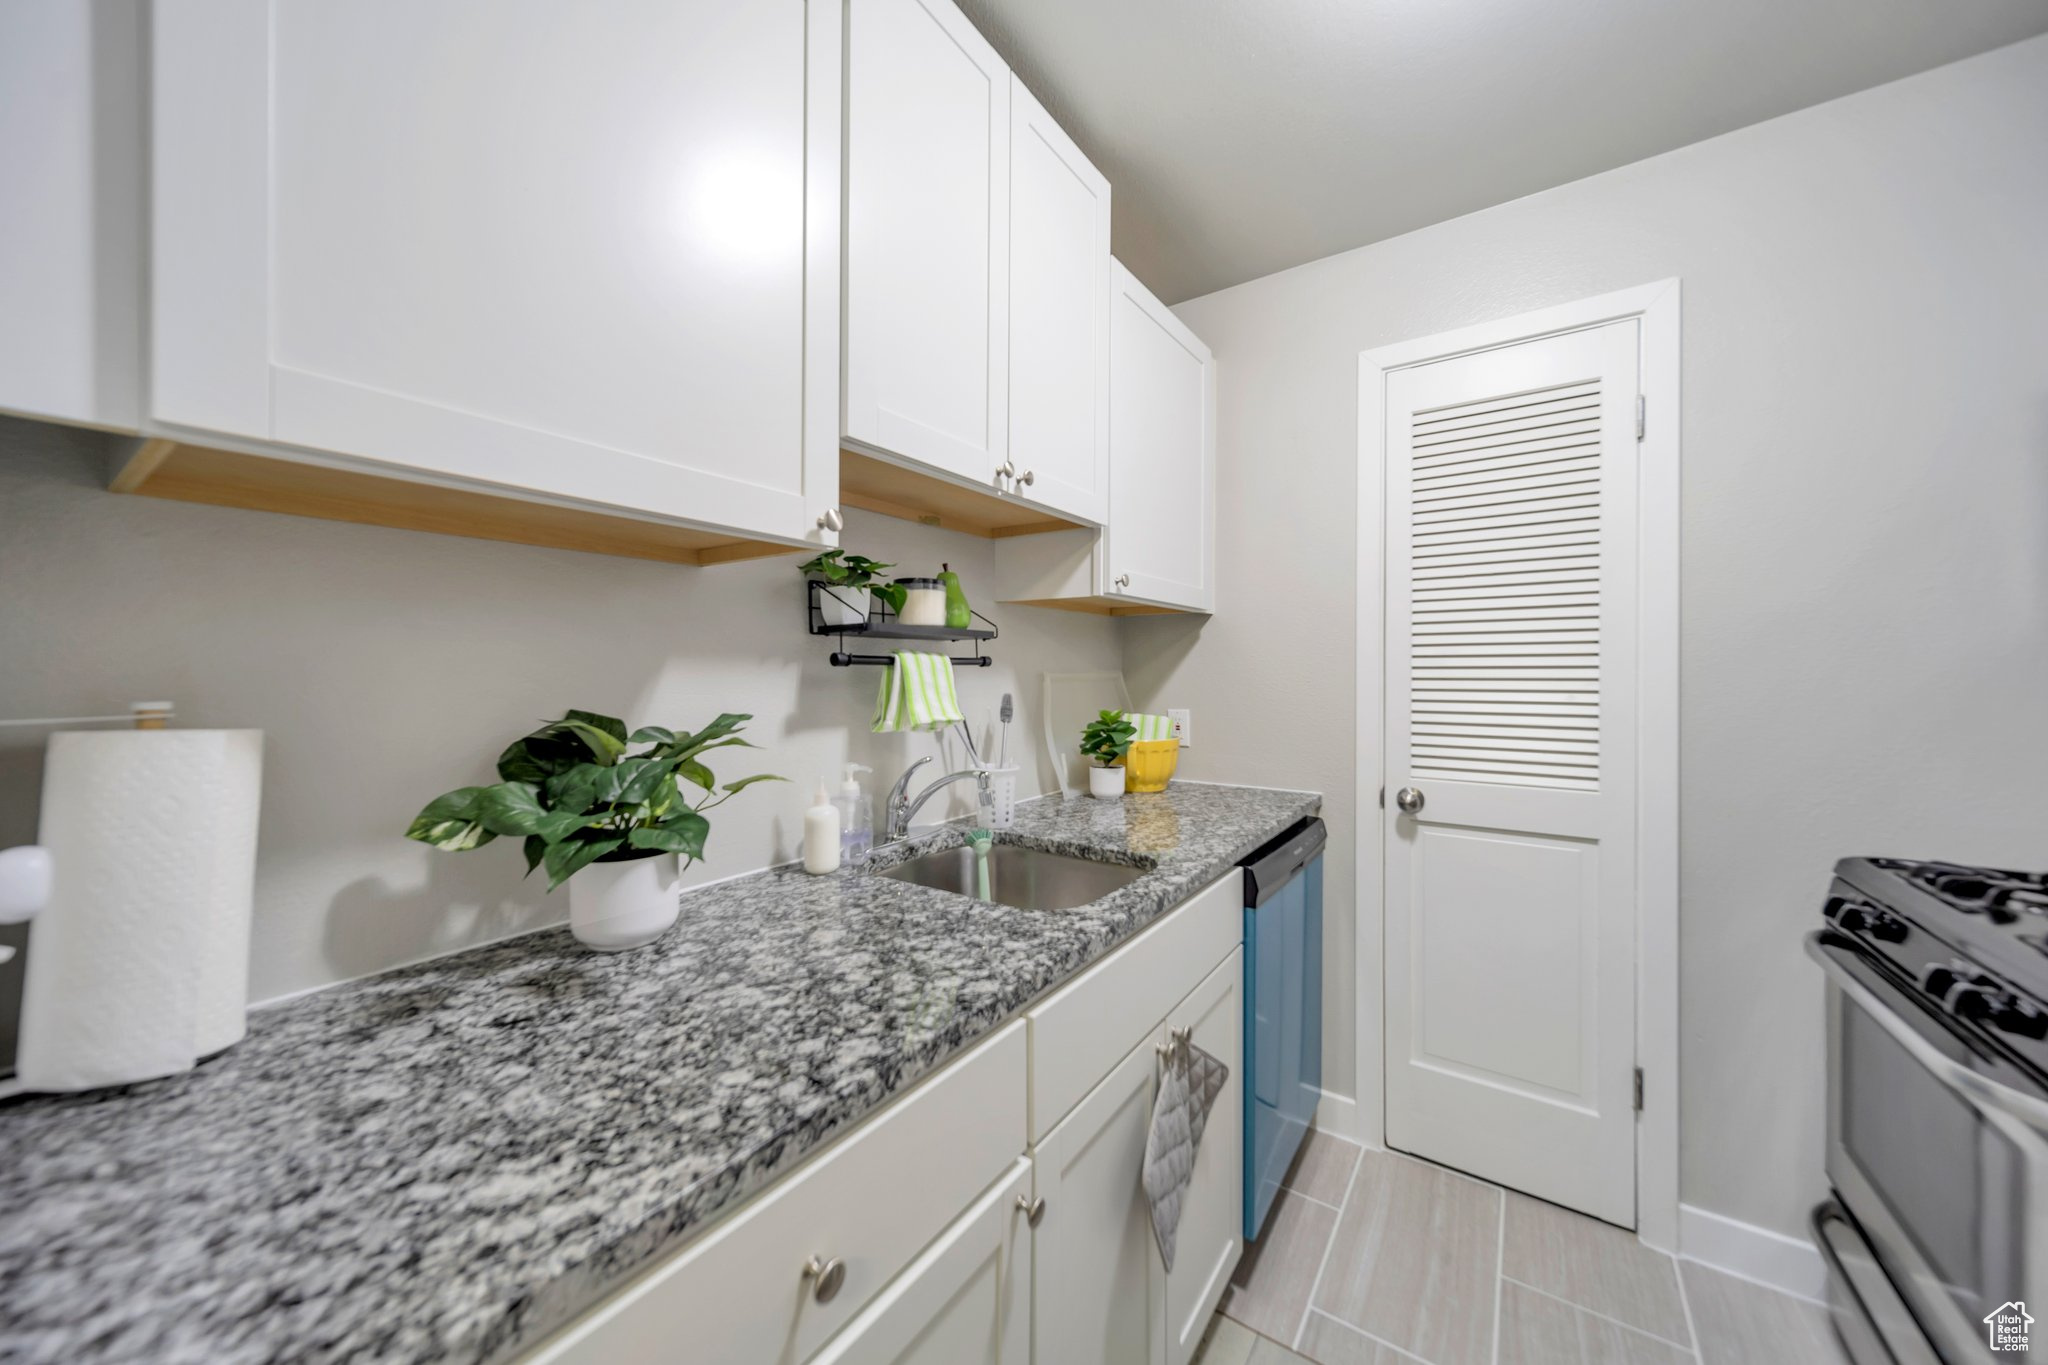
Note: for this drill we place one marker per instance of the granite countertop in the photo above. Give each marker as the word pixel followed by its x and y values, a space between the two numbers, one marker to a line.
pixel 451 1160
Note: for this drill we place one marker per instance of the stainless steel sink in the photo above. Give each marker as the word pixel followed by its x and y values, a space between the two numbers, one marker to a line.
pixel 1023 877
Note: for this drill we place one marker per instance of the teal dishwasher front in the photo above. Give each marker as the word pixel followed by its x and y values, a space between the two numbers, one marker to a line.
pixel 1283 1009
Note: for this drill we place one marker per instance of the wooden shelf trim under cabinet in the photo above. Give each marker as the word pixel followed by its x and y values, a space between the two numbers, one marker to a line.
pixel 161 468
pixel 1096 606
pixel 893 491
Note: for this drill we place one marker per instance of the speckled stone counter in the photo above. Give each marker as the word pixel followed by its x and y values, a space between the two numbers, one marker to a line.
pixel 450 1161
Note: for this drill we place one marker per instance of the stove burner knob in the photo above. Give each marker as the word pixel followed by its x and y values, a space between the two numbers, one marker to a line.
pixel 2019 1016
pixel 1983 1003
pixel 1888 928
pixel 1938 980
pixel 1849 916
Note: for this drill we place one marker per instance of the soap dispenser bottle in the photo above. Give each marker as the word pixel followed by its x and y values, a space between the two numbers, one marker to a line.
pixel 821 834
pixel 856 818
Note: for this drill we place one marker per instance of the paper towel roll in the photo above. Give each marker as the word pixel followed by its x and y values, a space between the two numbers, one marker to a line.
pixel 140 965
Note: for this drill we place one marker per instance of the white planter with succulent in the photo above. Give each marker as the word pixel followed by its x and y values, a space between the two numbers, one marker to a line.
pixel 1106 739
pixel 848 585
pixel 617 823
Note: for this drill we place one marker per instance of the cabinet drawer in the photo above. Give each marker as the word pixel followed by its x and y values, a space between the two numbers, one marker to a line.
pixel 1079 1034
pixel 873 1201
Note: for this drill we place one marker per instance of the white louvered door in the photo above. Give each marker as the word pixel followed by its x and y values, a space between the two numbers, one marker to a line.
pixel 1511 700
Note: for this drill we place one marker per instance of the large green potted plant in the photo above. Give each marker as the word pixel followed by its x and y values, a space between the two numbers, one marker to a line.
pixel 850 582
pixel 617 826
pixel 1105 740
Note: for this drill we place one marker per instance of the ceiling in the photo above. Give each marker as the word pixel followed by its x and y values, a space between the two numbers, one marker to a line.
pixel 1246 136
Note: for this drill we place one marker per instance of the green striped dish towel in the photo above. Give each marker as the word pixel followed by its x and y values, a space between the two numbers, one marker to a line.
pixel 1150 727
pixel 917 694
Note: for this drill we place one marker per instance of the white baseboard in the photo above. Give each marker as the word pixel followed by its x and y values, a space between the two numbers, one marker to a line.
pixel 1790 1265
pixel 1338 1116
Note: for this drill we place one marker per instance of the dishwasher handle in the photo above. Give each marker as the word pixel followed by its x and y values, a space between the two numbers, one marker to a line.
pixel 1271 867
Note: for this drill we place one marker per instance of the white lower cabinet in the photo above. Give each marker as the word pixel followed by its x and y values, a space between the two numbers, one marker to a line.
pixel 1208 1242
pixel 1104 1295
pixel 996 1215
pixel 1101 1288
pixel 965 1301
pixel 870 1206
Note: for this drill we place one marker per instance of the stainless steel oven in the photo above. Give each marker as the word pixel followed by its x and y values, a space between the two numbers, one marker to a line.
pixel 1937 1148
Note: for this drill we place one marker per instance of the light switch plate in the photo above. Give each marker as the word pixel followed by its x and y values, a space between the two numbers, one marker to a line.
pixel 1181 724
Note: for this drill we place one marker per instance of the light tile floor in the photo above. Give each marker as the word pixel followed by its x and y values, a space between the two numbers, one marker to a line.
pixel 1374 1258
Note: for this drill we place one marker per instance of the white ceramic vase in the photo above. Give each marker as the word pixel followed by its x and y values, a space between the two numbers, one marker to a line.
pixel 845 606
pixel 623 905
pixel 1105 784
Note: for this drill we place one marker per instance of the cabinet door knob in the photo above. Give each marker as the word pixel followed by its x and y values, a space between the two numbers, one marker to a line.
pixel 1028 476
pixel 831 521
pixel 826 1274
pixel 1032 1209
pixel 1123 580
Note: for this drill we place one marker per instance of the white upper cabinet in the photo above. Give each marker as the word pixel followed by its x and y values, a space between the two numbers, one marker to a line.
pixel 1059 316
pixel 1157 550
pixel 927 238
pixel 71 211
pixel 559 250
pixel 1161 542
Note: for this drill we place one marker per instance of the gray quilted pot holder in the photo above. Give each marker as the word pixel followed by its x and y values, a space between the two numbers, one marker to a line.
pixel 1188 1088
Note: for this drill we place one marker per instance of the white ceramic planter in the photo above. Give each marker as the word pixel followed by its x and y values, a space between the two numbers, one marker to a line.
pixel 623 905
pixel 1105 784
pixel 845 606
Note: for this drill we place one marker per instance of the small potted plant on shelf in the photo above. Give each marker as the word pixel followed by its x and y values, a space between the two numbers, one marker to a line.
pixel 850 581
pixel 616 822
pixel 1106 739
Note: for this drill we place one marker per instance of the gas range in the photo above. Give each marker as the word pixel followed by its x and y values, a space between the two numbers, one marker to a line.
pixel 1971 940
pixel 1937 1135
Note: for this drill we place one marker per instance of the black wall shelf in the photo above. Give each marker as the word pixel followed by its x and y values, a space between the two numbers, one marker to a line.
pixel 882 624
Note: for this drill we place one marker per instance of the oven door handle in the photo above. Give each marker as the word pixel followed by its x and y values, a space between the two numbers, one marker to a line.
pixel 1980 1089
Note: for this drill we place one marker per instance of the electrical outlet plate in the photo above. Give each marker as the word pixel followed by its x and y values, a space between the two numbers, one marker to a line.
pixel 1182 724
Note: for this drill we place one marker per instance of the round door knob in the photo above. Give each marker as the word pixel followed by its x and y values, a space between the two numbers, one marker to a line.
pixel 831 521
pixel 1028 476
pixel 826 1274
pixel 1032 1209
pixel 1409 799
pixel 1123 581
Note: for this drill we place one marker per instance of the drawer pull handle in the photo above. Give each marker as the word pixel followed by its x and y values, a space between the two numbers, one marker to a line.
pixel 1032 1209
pixel 826 1274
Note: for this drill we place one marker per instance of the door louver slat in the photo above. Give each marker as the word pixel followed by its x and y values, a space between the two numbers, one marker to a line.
pixel 1504 614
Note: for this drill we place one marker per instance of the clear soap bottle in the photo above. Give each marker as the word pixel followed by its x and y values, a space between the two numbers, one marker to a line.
pixel 856 818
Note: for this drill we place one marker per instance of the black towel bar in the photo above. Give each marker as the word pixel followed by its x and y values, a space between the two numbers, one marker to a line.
pixel 844 660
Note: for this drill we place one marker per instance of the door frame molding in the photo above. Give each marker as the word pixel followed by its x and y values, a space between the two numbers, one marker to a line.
pixel 1656 307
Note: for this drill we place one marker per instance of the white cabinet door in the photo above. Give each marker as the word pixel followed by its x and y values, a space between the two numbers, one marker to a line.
pixel 965 1301
pixel 71 211
pixel 1207 1243
pixel 1161 540
pixel 588 251
pixel 1100 1286
pixel 1059 316
pixel 927 238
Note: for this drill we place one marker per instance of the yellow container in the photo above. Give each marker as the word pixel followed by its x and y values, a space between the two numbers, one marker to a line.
pixel 1149 763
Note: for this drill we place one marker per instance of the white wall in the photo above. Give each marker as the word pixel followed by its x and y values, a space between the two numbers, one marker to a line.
pixel 1865 554
pixel 388 666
